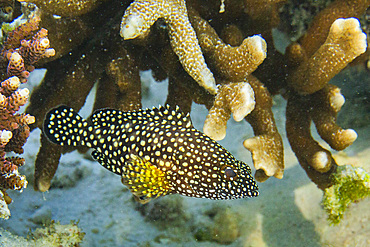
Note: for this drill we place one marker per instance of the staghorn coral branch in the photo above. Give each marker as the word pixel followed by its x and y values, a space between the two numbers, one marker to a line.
pixel 318 31
pixel 16 100
pixel 5 136
pixel 46 164
pixel 70 83
pixel 16 66
pixel 312 98
pixel 307 150
pixel 22 32
pixel 235 98
pixel 21 60
pixel 142 14
pixel 37 48
pixel 267 146
pixel 10 177
pixel 324 115
pixel 344 43
pixel 231 63
pixel 124 71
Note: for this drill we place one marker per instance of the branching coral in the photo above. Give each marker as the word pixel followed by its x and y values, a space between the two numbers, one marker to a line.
pixel 231 63
pixel 312 98
pixel 14 132
pixel 347 39
pixel 267 146
pixel 70 79
pixel 142 14
pixel 345 42
pixel 236 98
pixel 234 44
pixel 236 63
pixel 20 51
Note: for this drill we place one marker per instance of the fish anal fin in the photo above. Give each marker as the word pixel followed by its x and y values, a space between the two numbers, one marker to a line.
pixel 145 180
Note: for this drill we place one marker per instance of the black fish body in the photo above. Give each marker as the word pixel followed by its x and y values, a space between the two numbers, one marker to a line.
pixel 156 151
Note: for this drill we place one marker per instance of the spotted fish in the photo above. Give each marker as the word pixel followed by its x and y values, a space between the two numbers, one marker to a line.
pixel 156 151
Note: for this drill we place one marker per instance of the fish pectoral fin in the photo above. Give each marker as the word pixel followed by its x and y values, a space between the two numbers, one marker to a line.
pixel 144 179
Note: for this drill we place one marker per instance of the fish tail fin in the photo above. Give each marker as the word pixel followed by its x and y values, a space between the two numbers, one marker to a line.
pixel 63 126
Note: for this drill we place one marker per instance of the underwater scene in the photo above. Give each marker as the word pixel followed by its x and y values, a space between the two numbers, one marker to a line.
pixel 185 123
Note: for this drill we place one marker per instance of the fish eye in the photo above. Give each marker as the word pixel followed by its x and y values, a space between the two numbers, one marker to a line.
pixel 230 173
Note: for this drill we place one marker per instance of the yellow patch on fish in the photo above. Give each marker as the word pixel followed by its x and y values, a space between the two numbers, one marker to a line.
pixel 145 180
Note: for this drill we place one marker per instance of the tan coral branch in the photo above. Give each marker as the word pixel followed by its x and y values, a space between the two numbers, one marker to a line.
pixel 231 63
pixel 318 31
pixel 267 146
pixel 46 164
pixel 235 98
pixel 326 104
pixel 344 43
pixel 141 15
pixel 306 149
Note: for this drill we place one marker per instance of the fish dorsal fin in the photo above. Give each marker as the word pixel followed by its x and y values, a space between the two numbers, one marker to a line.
pixel 104 118
pixel 175 116
pixel 144 179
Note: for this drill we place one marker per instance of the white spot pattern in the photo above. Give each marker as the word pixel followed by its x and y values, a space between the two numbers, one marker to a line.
pixel 194 164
